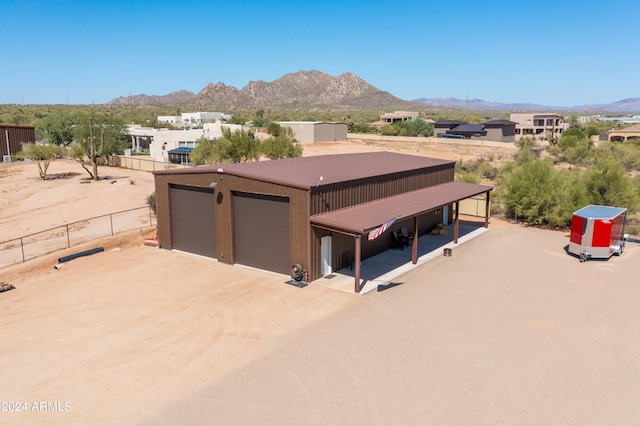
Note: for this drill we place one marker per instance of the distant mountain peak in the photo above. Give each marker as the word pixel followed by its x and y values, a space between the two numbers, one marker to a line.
pixel 300 90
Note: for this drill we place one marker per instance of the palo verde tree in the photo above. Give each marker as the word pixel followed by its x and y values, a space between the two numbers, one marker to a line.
pixel 41 154
pixel 57 128
pixel 96 136
pixel 233 147
pixel 205 152
pixel 281 144
pixel 237 146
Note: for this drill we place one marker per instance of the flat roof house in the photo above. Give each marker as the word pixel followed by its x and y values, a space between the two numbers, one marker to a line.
pixel 315 212
pixel 495 130
pixel 538 125
pixel 393 117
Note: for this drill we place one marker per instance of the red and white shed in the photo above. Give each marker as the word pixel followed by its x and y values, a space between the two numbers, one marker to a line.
pixel 597 232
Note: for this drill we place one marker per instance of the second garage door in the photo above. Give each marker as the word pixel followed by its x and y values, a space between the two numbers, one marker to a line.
pixel 261 231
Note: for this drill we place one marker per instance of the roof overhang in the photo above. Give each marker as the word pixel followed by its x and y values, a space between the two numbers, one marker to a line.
pixel 360 219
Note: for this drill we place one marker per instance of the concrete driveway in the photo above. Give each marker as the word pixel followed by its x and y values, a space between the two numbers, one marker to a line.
pixel 509 330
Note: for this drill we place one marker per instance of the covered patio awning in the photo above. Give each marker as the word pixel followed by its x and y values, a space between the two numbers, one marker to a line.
pixel 358 220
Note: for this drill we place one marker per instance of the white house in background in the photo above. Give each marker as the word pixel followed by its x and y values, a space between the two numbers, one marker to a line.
pixel 161 141
pixel 317 131
pixel 175 120
pixel 198 118
pixel 193 118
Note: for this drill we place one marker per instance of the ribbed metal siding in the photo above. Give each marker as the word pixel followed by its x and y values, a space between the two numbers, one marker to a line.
pixel 347 194
pixel 17 136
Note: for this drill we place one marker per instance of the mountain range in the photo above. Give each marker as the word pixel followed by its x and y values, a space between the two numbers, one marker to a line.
pixel 316 90
pixel 625 106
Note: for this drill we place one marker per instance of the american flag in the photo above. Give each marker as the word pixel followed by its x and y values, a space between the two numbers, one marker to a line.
pixel 375 233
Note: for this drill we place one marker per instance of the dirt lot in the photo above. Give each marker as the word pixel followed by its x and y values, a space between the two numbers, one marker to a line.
pixel 510 329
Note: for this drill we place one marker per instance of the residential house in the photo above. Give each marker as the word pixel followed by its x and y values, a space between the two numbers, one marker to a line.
pixel 393 117
pixel 188 119
pixel 539 125
pixel 621 135
pixel 162 141
pixel 494 130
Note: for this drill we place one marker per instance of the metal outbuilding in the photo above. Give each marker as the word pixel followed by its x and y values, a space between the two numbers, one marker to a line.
pixel 310 211
pixel 12 137
pixel 317 131
pixel 597 232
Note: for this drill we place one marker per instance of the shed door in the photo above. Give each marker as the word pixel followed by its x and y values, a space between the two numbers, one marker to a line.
pixel 193 220
pixel 261 231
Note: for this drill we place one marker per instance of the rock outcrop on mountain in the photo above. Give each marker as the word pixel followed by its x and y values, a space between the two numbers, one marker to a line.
pixel 303 90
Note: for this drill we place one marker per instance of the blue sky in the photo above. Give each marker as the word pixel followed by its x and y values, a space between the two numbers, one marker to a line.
pixel 554 53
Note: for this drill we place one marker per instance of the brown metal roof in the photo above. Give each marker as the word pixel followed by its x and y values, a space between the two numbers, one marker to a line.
pixel 305 172
pixel 362 218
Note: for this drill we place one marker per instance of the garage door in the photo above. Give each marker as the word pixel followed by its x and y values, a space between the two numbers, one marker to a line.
pixel 261 231
pixel 193 220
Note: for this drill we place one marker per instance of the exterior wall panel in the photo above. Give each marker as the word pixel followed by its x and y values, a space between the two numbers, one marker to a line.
pixel 346 194
pixel 17 136
pixel 298 205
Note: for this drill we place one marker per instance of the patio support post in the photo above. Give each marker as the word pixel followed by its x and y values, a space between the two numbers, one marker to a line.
pixel 357 264
pixel 486 212
pixel 456 223
pixel 414 247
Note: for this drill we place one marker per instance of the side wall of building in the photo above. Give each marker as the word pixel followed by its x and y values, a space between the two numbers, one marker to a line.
pixel 347 194
pixel 17 136
pixel 227 185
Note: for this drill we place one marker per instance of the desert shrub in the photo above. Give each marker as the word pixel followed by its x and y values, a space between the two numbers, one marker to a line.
pixel 608 184
pixel 151 201
pixel 466 176
pixel 479 168
pixel 388 130
pixel 537 193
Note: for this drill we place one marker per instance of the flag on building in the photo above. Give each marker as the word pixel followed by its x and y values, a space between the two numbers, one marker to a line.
pixel 375 233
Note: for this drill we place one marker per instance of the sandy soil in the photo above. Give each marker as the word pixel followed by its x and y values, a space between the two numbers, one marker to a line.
pixel 30 204
pixel 508 330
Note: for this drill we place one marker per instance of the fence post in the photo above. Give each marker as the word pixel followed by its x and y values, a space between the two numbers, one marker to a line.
pixel 68 239
pixel 111 221
pixel 22 248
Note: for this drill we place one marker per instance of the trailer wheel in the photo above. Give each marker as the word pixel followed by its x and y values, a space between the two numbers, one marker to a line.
pixel 583 257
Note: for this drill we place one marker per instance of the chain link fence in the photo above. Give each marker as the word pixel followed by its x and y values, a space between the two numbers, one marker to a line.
pixel 61 237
